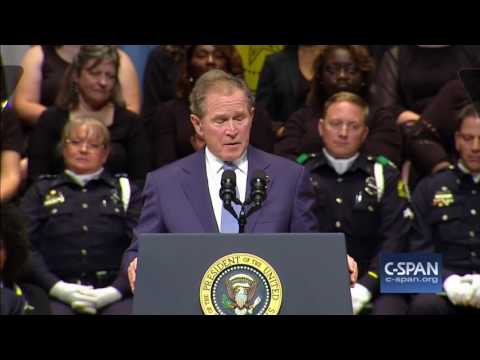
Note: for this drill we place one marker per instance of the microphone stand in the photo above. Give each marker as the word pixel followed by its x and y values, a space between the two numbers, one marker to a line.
pixel 242 217
pixel 242 220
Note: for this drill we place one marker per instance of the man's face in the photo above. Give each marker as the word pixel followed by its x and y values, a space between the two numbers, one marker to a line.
pixel 467 143
pixel 226 123
pixel 84 151
pixel 343 130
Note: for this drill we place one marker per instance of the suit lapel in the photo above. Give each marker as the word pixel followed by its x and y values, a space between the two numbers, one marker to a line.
pixel 195 185
pixel 256 161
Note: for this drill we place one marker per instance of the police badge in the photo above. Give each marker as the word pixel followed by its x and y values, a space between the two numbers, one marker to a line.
pixel 371 186
pixel 443 197
pixel 53 198
pixel 240 284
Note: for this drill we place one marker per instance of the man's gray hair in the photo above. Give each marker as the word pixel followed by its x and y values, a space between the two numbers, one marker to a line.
pixel 216 80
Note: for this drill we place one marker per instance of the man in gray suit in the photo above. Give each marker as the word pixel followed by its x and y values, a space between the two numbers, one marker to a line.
pixel 183 197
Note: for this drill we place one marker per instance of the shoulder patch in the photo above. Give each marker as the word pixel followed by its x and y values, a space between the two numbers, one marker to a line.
pixel 403 190
pixel 304 158
pixel 383 160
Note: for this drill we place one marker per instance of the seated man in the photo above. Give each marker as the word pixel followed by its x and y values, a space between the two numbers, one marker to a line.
pixel 79 223
pixel 183 197
pixel 448 202
pixel 358 195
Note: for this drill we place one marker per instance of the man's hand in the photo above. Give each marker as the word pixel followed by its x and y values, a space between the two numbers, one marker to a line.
pixel 361 296
pixel 459 289
pixel 353 269
pixel 67 292
pixel 132 274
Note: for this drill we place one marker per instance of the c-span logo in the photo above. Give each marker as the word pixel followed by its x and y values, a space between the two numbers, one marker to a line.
pixel 241 284
pixel 415 273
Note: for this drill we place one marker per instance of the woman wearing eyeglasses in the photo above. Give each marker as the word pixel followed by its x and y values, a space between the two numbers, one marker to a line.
pixel 91 88
pixel 79 223
pixel 338 68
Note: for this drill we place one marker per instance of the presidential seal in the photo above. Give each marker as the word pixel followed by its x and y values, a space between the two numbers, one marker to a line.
pixel 241 284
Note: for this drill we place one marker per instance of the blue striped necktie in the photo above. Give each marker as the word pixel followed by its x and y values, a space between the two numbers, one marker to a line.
pixel 228 223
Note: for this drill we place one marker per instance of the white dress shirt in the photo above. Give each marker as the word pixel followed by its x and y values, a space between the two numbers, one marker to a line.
pixel 214 168
pixel 476 178
pixel 82 180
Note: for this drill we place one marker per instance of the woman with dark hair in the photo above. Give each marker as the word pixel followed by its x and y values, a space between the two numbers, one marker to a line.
pixel 172 133
pixel 160 77
pixel 91 87
pixel 338 68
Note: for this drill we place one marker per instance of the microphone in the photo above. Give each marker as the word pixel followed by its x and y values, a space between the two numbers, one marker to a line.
pixel 258 184
pixel 228 187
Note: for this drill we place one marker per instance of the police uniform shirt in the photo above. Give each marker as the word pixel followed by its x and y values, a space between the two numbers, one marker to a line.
pixel 348 203
pixel 448 204
pixel 77 231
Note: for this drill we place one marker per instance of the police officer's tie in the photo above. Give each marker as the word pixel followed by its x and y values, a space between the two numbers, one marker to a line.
pixel 228 223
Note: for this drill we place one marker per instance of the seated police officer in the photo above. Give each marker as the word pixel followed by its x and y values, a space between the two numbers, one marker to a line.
pixel 359 196
pixel 448 203
pixel 80 223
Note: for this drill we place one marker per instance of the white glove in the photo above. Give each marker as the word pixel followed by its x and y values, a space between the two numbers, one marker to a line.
pixel 83 303
pixel 84 307
pixel 66 292
pixel 98 298
pixel 459 289
pixel 475 297
pixel 475 301
pixel 360 297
